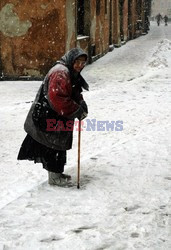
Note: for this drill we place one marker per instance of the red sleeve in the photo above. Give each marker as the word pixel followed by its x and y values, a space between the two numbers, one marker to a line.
pixel 59 93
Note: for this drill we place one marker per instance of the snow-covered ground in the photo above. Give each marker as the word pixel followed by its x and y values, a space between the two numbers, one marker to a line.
pixel 124 202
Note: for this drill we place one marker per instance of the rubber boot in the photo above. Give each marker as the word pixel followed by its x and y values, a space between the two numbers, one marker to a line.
pixel 58 179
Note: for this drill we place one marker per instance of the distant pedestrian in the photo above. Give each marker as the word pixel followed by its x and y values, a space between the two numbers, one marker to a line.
pixel 165 19
pixel 60 101
pixel 158 18
pixel 147 24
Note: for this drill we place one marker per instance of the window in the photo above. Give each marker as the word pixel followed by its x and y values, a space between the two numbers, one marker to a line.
pixel 83 17
pixel 106 6
pixel 97 7
pixel 80 17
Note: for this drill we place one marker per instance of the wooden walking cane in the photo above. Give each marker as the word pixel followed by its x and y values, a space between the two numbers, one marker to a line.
pixel 79 144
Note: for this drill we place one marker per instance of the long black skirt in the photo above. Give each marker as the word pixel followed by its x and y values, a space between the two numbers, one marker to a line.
pixel 52 160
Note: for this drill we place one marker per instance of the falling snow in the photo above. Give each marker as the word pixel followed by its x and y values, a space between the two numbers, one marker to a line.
pixel 124 201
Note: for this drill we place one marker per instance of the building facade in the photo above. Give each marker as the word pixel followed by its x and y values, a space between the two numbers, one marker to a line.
pixel 34 34
pixel 161 6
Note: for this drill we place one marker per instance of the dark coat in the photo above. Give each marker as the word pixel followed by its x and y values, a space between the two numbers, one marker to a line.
pixel 165 18
pixel 62 88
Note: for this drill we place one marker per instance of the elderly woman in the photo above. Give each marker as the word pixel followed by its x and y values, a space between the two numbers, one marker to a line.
pixel 58 101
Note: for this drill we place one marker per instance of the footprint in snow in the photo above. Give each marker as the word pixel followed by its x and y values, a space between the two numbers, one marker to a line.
pixel 93 158
pixel 168 178
pixel 135 235
pixel 81 229
pixel 51 238
pixel 131 208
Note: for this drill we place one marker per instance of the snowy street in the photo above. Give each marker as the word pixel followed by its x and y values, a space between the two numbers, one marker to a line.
pixel 124 200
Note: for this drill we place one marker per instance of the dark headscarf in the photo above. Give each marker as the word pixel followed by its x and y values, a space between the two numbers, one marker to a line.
pixel 68 60
pixel 71 56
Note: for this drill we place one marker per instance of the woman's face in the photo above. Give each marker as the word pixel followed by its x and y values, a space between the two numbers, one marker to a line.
pixel 79 63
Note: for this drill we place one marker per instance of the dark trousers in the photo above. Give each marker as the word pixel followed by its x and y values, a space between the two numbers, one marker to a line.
pixel 55 161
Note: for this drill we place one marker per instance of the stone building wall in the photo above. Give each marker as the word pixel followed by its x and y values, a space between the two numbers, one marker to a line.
pixel 32 35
